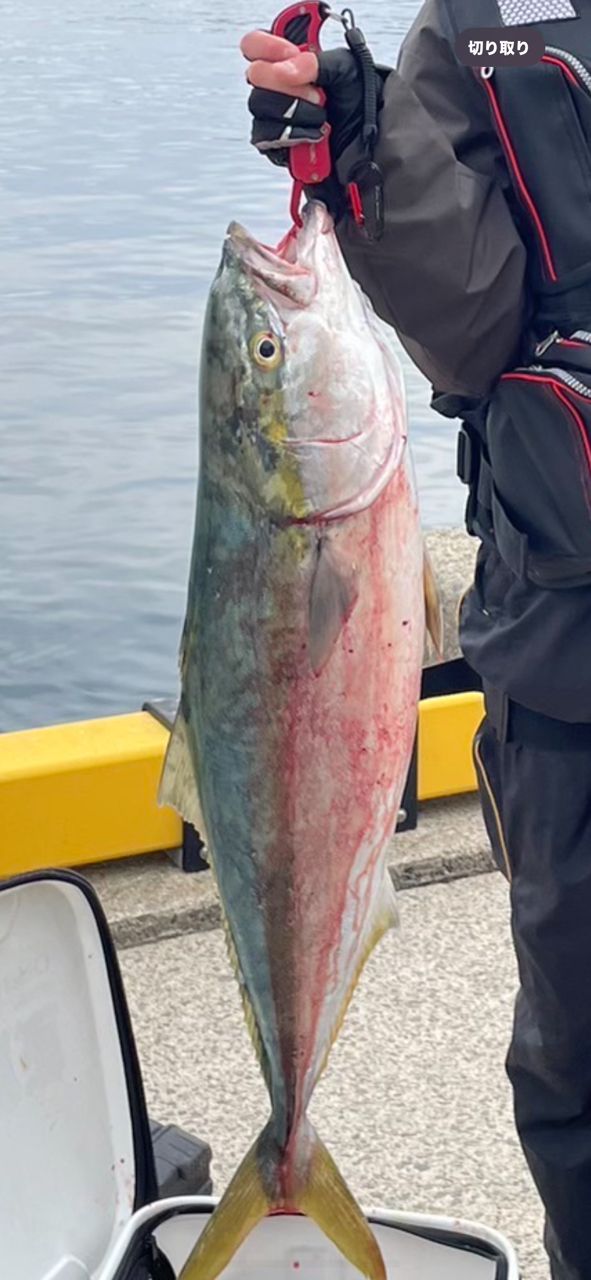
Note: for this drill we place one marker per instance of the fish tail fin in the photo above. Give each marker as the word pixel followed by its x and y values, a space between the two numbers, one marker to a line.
pixel 264 1184
pixel 243 1205
pixel 327 1200
pixel 178 781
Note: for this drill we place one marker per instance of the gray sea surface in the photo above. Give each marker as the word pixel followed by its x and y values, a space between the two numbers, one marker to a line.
pixel 123 155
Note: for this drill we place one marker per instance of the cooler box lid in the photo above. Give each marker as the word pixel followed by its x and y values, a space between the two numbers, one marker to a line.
pixel 76 1152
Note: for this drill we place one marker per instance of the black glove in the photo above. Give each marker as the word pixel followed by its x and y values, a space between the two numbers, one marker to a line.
pixel 281 121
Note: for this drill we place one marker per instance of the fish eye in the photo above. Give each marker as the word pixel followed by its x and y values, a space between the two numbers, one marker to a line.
pixel 266 351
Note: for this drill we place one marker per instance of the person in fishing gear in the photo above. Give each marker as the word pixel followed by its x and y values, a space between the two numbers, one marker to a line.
pixel 466 219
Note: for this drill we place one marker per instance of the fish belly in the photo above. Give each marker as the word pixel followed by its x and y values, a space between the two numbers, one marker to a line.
pixel 349 732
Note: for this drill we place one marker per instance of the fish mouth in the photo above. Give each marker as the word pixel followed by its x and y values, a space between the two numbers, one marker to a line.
pixel 253 252
pixel 282 271
pixel 316 220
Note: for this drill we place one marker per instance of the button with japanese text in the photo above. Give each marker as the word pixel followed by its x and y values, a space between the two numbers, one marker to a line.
pixel 496 47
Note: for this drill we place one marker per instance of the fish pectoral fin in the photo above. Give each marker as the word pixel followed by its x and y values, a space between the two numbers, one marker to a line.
pixel 433 609
pixel 327 1200
pixel 178 783
pixel 333 596
pixel 257 1188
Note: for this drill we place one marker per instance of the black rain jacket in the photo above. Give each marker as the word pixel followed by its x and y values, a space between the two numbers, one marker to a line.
pixel 456 273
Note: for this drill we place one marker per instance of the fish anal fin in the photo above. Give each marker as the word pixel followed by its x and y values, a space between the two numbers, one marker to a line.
pixel 385 918
pixel 333 596
pixel 178 783
pixel 433 608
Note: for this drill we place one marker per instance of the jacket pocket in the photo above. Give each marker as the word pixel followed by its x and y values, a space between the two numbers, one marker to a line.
pixel 556 93
pixel 484 751
pixel 539 442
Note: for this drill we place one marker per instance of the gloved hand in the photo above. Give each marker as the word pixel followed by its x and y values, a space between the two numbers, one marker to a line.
pixel 285 102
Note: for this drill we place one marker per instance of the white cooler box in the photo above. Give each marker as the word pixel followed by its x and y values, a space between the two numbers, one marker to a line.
pixel 77 1184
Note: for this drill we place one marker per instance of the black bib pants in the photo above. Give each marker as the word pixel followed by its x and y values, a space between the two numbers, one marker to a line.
pixel 535 785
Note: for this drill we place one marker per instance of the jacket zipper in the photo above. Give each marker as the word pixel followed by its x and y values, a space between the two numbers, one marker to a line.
pixel 545 374
pixel 571 66
pixel 486 76
pixel 557 380
pixel 570 381
pixel 578 339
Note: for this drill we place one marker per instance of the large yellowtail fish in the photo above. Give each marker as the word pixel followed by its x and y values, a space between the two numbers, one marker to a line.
pixel 301 663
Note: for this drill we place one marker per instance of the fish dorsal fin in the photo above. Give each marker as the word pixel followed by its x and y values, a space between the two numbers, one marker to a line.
pixel 333 595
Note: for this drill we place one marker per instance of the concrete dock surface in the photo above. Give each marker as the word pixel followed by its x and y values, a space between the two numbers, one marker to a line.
pixel 415 1105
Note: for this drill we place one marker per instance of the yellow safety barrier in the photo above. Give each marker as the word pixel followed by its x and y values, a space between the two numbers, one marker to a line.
pixel 86 792
pixel 446 728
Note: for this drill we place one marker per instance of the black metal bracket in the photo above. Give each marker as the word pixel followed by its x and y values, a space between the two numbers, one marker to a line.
pixel 408 814
pixel 442 679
